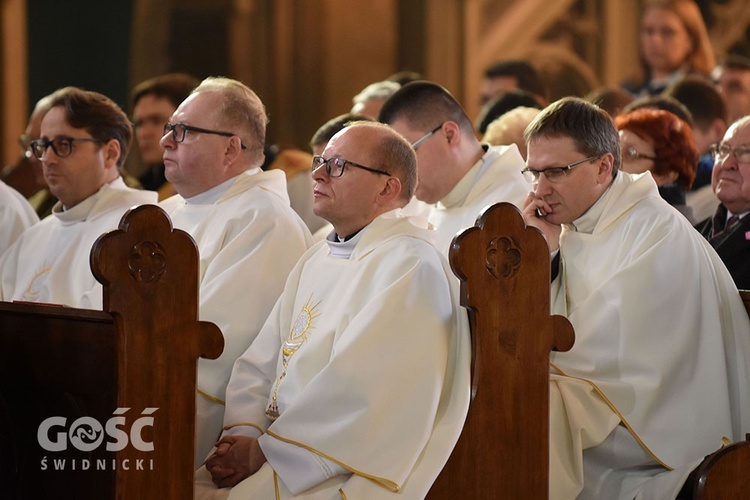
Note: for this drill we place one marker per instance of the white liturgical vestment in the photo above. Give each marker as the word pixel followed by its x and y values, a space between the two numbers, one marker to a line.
pixel 658 372
pixel 50 261
pixel 16 215
pixel 494 178
pixel 358 383
pixel 249 239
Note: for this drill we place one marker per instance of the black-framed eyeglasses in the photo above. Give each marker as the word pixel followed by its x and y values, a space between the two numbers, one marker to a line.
pixel 723 150
pixel 429 134
pixel 62 146
pixel 180 129
pixel 335 166
pixel 631 154
pixel 554 174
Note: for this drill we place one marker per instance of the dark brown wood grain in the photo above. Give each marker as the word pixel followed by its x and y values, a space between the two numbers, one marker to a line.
pixel 136 359
pixel 503 451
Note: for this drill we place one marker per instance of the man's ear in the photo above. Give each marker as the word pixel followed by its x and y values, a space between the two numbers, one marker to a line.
pixel 606 165
pixel 452 132
pixel 391 190
pixel 234 150
pixel 112 151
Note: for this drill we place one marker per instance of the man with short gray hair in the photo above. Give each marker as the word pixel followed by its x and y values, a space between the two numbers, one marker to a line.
pixel 248 235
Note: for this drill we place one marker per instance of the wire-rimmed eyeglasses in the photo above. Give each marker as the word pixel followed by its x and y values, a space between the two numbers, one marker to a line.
pixel 723 150
pixel 335 166
pixel 554 174
pixel 180 129
pixel 429 134
pixel 62 146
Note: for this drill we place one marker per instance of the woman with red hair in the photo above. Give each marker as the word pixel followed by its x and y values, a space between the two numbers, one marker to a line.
pixel 658 142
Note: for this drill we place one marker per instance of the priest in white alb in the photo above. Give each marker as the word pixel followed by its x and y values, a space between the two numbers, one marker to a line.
pixel 357 386
pixel 458 175
pixel 85 138
pixel 658 376
pixel 248 236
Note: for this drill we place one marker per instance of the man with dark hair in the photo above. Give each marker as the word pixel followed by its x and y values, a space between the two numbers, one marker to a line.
pixel 367 326
pixel 732 78
pixel 709 112
pixel 84 140
pixel 505 76
pixel 457 173
pixel 153 101
pixel 649 351
pixel 248 236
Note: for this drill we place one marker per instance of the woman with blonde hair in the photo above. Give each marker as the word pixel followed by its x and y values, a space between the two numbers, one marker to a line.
pixel 674 43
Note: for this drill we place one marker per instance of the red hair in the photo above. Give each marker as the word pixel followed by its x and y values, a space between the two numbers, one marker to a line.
pixel 672 138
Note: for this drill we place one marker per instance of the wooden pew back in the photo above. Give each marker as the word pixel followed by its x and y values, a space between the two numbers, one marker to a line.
pixel 505 278
pixel 120 384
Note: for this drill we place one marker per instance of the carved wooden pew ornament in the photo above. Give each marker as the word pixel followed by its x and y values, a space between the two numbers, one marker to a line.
pixel 97 405
pixel 505 285
pixel 148 262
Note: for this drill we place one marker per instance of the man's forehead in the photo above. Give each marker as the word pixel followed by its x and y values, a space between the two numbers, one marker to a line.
pixel 739 133
pixel 199 103
pixel 349 141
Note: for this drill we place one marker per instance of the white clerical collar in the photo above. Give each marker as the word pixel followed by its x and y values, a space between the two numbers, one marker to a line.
pixel 587 222
pixel 80 211
pixel 343 249
pixel 461 190
pixel 212 195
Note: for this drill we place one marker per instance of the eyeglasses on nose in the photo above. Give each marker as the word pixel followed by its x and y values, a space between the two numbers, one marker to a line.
pixel 554 174
pixel 722 151
pixel 180 129
pixel 62 146
pixel 335 166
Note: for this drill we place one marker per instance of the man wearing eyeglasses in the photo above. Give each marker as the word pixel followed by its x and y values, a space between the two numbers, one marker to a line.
pixel 153 102
pixel 657 374
pixel 84 140
pixel 357 386
pixel 248 236
pixel 457 174
pixel 728 230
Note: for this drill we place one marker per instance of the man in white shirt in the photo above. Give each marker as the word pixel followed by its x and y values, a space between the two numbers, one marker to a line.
pixel 358 384
pixel 658 372
pixel 456 173
pixel 85 138
pixel 248 236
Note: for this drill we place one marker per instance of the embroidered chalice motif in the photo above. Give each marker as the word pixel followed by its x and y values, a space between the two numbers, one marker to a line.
pixel 297 336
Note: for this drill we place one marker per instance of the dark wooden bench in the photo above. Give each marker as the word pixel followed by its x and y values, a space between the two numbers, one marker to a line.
pixel 101 404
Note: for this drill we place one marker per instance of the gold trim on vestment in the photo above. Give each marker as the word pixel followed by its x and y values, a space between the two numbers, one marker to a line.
pixel 276 485
pixel 240 424
pixel 343 495
pixel 382 482
pixel 211 398
pixel 617 412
